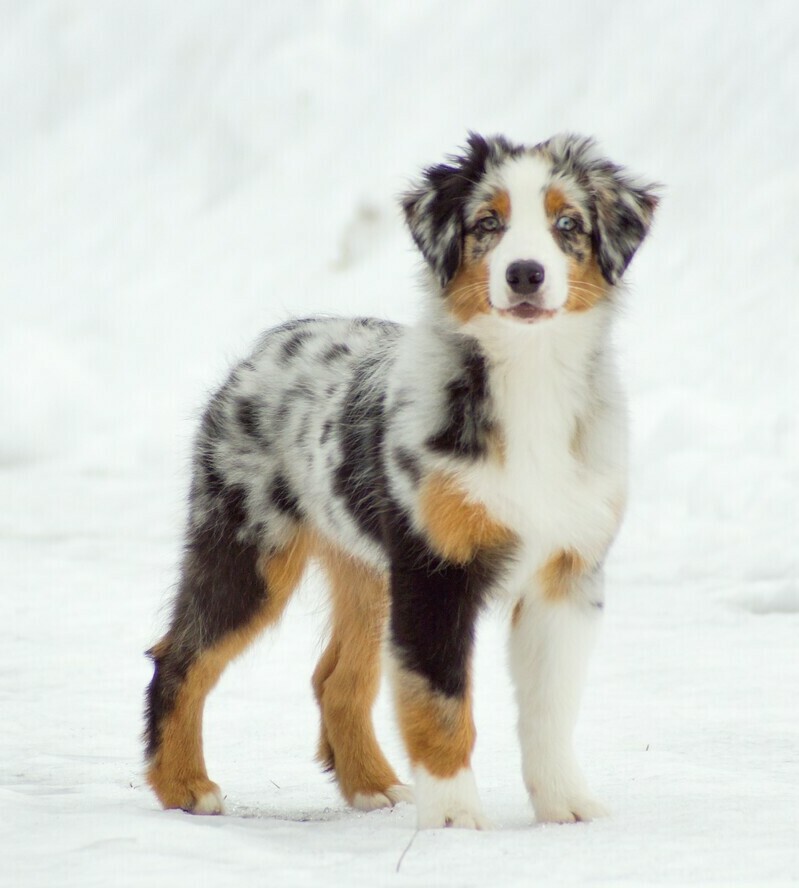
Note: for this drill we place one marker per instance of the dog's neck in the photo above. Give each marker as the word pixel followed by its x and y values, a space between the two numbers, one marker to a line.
pixel 521 358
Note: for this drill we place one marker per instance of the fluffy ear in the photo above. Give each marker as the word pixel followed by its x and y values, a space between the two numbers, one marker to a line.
pixel 434 207
pixel 624 213
pixel 621 207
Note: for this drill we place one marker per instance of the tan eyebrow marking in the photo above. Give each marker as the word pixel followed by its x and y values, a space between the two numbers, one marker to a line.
pixel 500 203
pixel 555 201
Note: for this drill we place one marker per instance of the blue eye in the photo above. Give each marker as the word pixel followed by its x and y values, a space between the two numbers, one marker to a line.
pixel 566 223
pixel 488 223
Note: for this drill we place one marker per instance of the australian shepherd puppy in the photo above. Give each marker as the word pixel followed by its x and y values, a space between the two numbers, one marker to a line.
pixel 478 454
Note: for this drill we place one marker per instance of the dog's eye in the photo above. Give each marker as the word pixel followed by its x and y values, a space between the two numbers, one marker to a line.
pixel 566 223
pixel 488 224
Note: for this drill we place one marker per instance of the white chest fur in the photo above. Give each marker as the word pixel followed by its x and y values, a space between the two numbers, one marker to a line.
pixel 560 484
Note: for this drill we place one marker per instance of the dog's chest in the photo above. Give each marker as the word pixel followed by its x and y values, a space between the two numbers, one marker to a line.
pixel 545 484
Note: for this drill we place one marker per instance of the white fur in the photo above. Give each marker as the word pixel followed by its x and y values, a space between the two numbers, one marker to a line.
pixel 555 498
pixel 546 381
pixel 209 803
pixel 529 235
pixel 450 801
pixel 374 800
pixel 550 645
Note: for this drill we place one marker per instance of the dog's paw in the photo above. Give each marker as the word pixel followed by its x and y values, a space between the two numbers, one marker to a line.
pixel 448 801
pixel 454 819
pixel 195 794
pixel 208 802
pixel 371 801
pixel 571 808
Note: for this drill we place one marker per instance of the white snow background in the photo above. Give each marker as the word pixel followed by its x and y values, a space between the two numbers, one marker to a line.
pixel 176 177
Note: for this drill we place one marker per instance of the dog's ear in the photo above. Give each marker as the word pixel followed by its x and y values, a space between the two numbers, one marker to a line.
pixel 623 214
pixel 621 207
pixel 435 206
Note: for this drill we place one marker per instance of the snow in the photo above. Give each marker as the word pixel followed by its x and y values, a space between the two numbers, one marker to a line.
pixel 175 178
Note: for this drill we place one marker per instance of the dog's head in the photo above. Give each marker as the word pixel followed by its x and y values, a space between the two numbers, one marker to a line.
pixel 527 233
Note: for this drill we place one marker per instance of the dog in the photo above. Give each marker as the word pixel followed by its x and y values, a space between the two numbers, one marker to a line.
pixel 479 454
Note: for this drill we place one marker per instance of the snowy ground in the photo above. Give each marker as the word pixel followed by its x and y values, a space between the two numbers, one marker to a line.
pixel 176 177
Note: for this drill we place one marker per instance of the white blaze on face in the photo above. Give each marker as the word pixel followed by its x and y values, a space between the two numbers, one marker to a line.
pixel 528 235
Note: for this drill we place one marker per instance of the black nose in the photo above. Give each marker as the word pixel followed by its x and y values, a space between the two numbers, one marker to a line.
pixel 525 276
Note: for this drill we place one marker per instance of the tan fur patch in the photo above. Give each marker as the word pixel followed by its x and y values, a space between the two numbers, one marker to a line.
pixel 438 730
pixel 324 669
pixel 517 613
pixel 347 677
pixel 177 773
pixel 558 574
pixel 500 204
pixel 284 569
pixel 456 526
pixel 467 292
pixel 587 286
pixel 554 201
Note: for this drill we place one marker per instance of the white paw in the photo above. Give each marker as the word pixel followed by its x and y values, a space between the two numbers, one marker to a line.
pixel 374 800
pixel 568 808
pixel 467 820
pixel 209 802
pixel 448 801
pixel 454 818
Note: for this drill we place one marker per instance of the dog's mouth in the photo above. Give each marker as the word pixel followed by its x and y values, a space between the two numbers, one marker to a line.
pixel 527 312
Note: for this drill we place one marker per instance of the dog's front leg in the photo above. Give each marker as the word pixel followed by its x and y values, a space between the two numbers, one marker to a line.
pixel 432 632
pixel 553 632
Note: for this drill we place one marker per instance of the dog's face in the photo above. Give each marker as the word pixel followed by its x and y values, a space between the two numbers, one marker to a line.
pixel 527 233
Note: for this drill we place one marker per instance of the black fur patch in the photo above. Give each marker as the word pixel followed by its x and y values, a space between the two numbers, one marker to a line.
pixel 435 208
pixel 284 498
pixel 408 463
pixel 374 323
pixel 162 692
pixel 468 424
pixel 212 429
pixel 293 344
pixel 220 579
pixel 360 476
pixel 434 607
pixel 247 415
pixel 339 350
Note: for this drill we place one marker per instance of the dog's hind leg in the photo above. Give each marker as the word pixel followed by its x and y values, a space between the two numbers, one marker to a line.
pixel 229 592
pixel 346 681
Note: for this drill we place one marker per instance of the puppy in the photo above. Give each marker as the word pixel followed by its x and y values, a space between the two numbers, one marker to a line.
pixel 479 454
